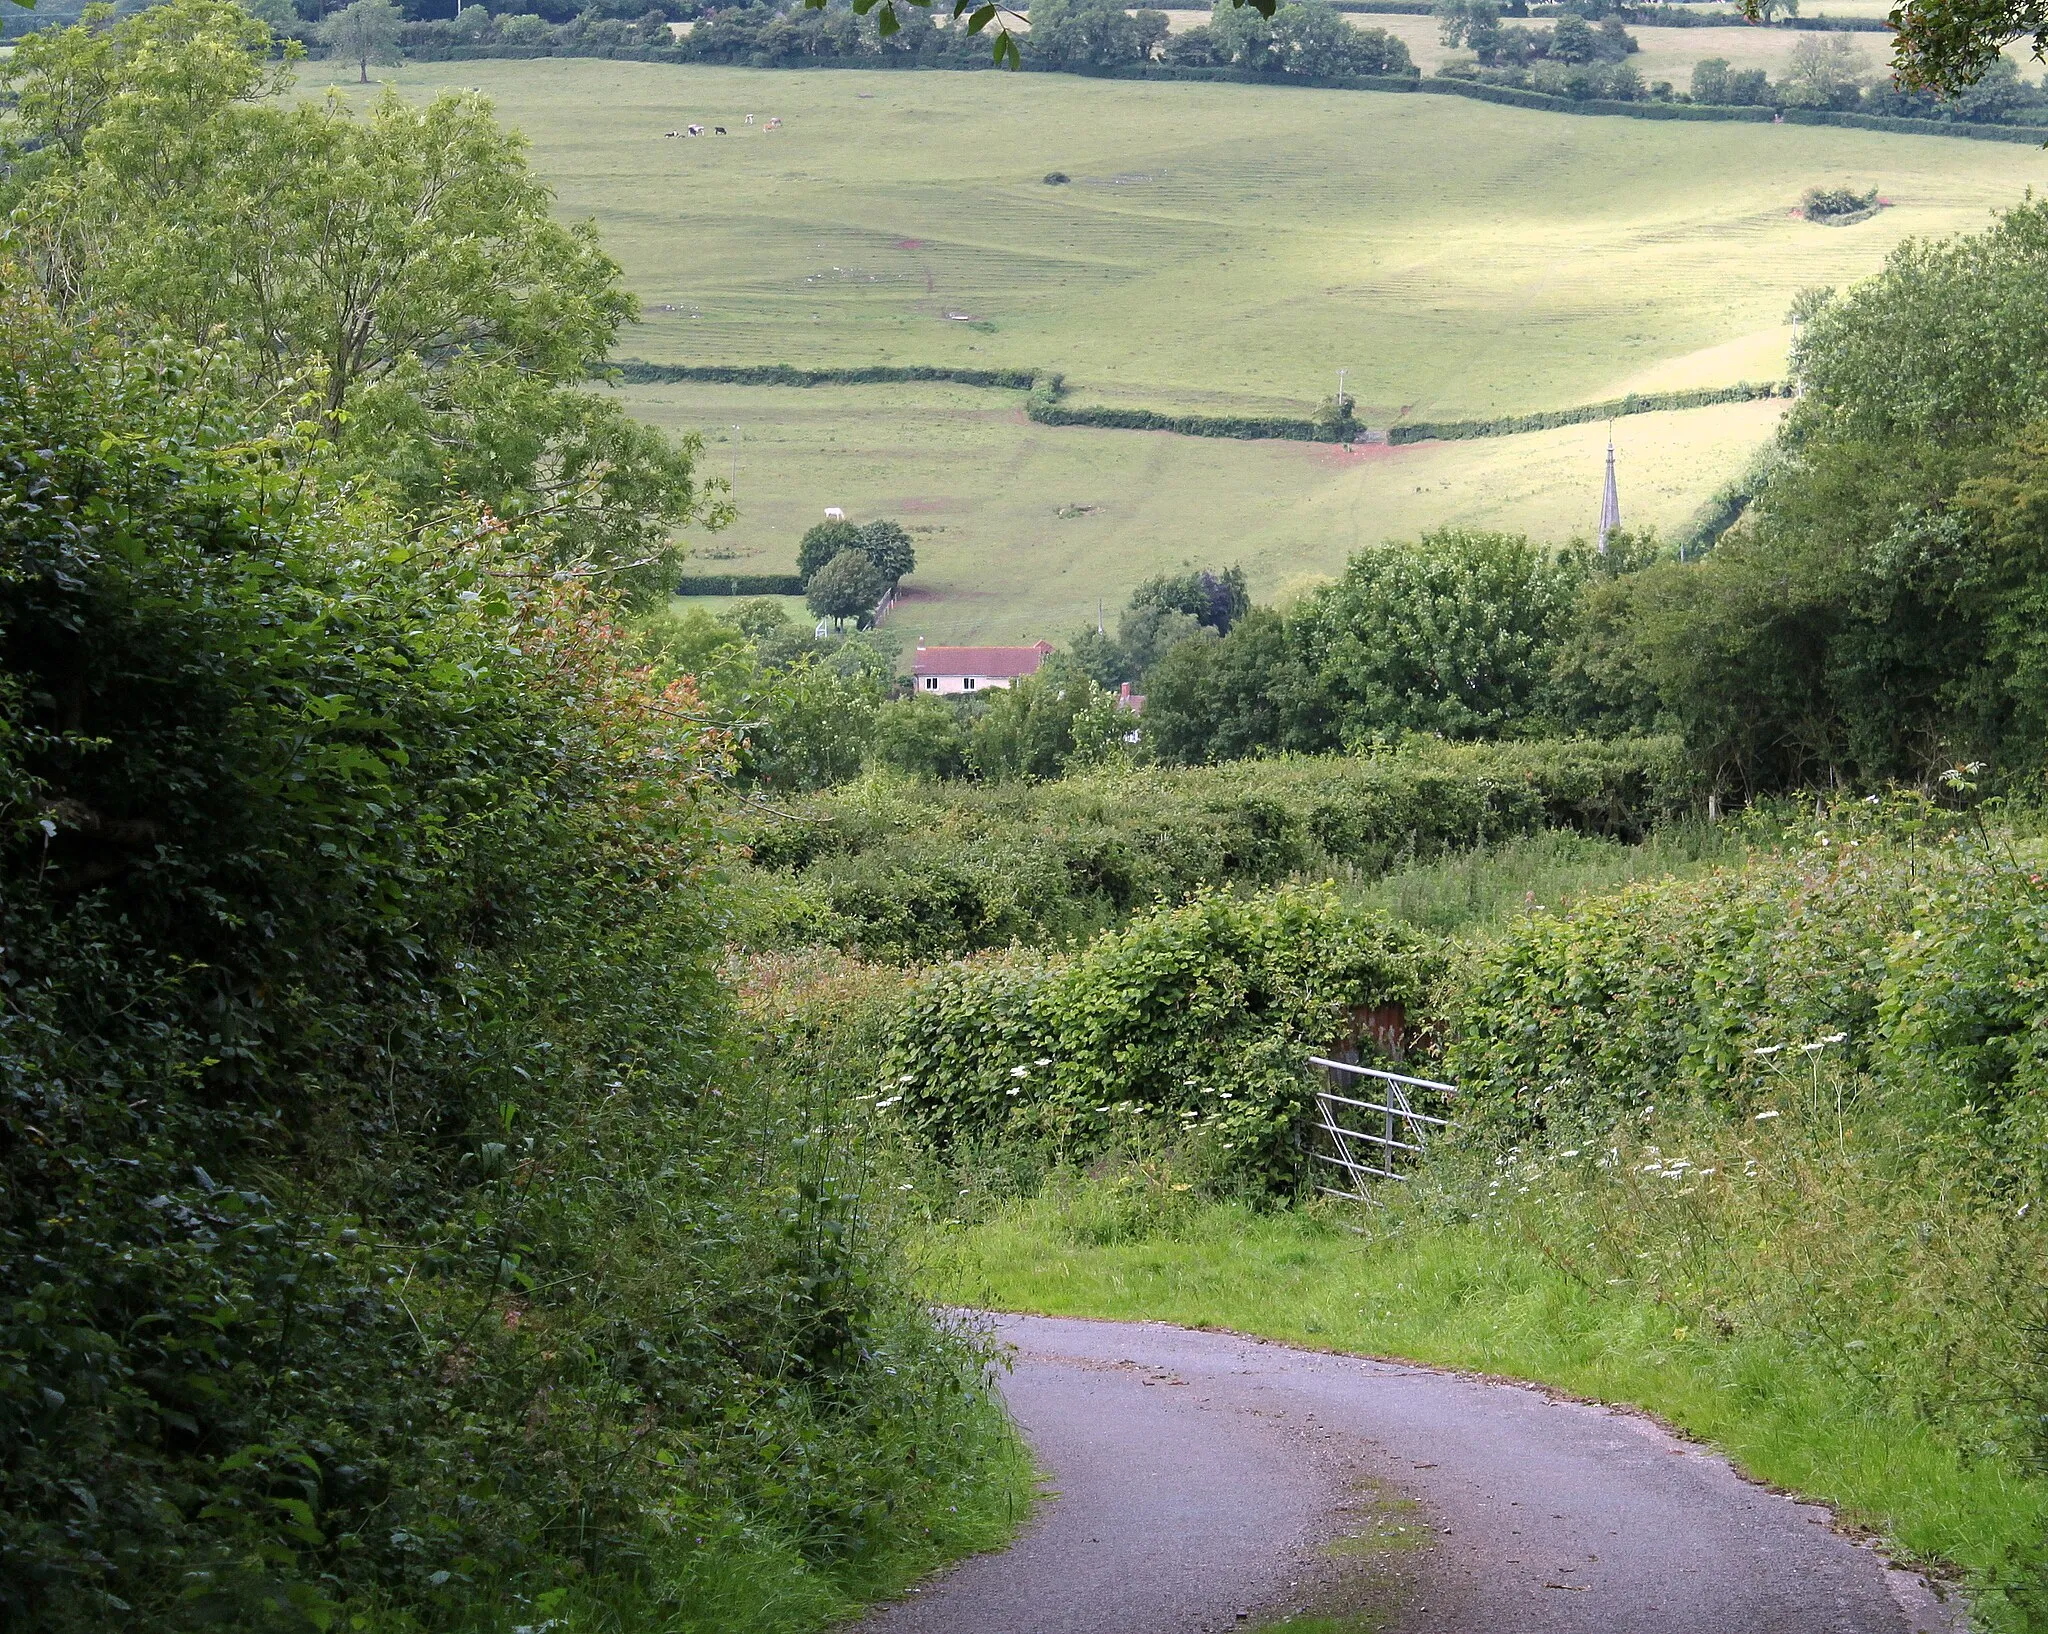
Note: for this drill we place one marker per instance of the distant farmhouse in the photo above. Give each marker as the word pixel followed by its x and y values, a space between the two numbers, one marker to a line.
pixel 949 671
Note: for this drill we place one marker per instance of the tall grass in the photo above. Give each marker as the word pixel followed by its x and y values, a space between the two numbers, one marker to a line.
pixel 1484 887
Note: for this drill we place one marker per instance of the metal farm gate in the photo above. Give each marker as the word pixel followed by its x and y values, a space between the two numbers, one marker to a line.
pixel 1362 1139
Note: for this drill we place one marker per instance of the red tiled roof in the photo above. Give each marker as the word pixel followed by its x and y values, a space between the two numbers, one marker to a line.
pixel 997 663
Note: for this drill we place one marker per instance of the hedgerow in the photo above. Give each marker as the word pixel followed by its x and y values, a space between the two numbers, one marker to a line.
pixel 392 1233
pixel 1635 403
pixel 1189 1024
pixel 740 584
pixel 1910 956
pixel 915 870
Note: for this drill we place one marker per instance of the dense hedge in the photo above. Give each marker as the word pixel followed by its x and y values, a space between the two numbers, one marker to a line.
pixel 389 1235
pixel 908 870
pixel 1918 962
pixel 740 584
pixel 1635 403
pixel 1657 16
pixel 2034 135
pixel 1189 1024
pixel 636 371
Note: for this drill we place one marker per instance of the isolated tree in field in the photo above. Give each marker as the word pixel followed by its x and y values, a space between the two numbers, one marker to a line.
pixel 821 544
pixel 889 548
pixel 363 32
pixel 397 276
pixel 1825 71
pixel 846 587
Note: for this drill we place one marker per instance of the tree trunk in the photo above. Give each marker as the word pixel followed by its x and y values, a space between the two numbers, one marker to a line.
pixel 363 67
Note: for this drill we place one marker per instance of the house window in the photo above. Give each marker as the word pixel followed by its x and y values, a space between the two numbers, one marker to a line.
pixel 966 683
pixel 931 683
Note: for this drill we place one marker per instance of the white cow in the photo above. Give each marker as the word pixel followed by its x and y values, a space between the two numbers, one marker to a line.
pixel 834 514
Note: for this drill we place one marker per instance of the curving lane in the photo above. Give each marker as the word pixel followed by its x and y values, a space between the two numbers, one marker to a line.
pixel 1205 1481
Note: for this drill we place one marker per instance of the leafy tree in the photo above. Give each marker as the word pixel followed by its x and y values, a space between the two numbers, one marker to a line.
pixel 365 31
pixel 1152 29
pixel 1314 41
pixel 923 737
pixel 1452 635
pixel 1242 37
pixel 1459 21
pixel 889 548
pixel 809 725
pixel 1047 725
pixel 1218 600
pixel 1825 71
pixel 1710 82
pixel 1613 43
pixel 1572 40
pixel 1083 34
pixel 1376 51
pixel 1247 694
pixel 822 543
pixel 398 276
pixel 846 587
pixel 1191 48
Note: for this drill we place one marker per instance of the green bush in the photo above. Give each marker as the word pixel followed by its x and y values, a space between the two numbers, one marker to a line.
pixel 1905 964
pixel 391 1234
pixel 1192 1024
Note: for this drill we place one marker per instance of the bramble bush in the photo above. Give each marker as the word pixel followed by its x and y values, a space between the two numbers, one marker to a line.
pixel 1906 945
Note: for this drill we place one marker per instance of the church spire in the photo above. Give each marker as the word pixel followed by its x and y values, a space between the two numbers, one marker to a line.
pixel 1610 498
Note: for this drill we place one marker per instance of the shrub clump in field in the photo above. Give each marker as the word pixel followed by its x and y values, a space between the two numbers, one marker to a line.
pixel 1837 206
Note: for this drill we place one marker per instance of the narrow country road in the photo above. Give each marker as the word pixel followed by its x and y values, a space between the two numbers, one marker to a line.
pixel 1207 1482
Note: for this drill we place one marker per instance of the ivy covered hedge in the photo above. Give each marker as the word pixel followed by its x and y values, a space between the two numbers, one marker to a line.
pixel 1188 1024
pixel 392 1234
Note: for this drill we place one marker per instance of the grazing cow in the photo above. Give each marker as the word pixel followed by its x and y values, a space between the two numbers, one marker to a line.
pixel 696 130
pixel 834 514
pixel 775 124
pixel 750 119
pixel 717 130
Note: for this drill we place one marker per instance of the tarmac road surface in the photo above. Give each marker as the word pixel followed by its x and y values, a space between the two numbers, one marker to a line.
pixel 1207 1481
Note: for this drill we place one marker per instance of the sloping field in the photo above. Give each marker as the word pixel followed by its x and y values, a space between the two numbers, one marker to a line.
pixel 1218 248
pixel 1218 243
pixel 1021 528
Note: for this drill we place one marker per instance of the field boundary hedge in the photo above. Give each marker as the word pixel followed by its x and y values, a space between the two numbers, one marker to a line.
pixel 638 372
pixel 1044 407
pixel 1418 431
pixel 740 584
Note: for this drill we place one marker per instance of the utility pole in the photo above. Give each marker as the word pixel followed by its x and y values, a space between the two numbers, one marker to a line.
pixel 1341 373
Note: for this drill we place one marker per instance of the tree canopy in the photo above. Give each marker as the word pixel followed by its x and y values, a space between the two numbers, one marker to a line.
pixel 397 276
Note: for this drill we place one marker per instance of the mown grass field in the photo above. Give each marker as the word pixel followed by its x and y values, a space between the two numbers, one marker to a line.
pixel 1220 247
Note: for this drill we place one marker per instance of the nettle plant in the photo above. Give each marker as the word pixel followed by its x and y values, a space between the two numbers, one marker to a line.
pixel 1193 1023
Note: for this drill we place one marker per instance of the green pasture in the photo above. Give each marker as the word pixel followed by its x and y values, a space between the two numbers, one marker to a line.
pixel 1021 528
pixel 1220 247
